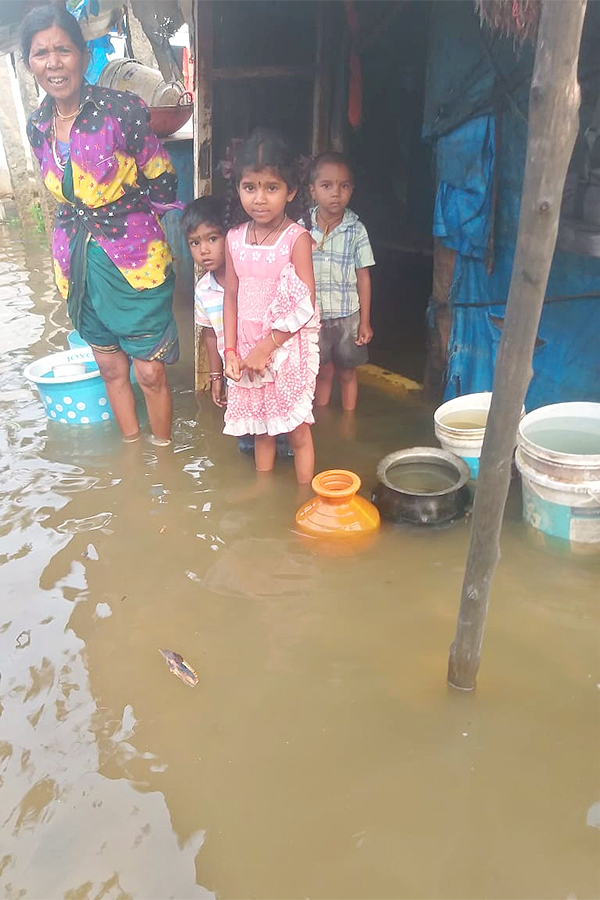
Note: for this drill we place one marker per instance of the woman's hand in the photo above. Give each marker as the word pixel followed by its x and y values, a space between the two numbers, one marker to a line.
pixel 217 391
pixel 232 365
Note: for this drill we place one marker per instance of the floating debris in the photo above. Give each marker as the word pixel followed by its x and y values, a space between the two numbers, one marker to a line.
pixel 193 577
pixel 593 816
pixel 178 666
pixel 24 639
pixel 90 553
pixel 103 611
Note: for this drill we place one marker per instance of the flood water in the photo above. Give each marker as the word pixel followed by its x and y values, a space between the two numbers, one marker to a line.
pixel 321 754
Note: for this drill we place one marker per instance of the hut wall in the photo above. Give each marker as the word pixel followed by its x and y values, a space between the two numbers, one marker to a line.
pixel 476 120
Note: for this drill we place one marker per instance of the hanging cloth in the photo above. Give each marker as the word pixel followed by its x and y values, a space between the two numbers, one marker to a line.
pixel 355 87
pixel 188 70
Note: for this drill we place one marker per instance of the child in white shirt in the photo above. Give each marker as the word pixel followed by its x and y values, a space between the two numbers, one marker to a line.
pixel 204 231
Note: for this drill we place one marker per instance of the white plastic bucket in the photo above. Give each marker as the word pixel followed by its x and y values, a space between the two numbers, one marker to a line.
pixel 558 456
pixel 460 426
pixel 147 83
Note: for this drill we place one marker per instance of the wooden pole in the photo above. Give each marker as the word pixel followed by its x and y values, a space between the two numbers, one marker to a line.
pixel 553 123
pixel 203 99
pixel 438 335
pixel 203 118
pixel 317 143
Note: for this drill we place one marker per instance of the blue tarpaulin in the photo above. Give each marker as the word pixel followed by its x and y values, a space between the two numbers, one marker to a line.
pixel 465 162
pixel 566 363
pixel 100 50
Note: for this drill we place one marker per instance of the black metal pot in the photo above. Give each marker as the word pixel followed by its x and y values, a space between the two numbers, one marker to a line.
pixel 423 507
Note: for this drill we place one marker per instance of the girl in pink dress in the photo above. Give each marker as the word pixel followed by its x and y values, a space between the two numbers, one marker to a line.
pixel 270 321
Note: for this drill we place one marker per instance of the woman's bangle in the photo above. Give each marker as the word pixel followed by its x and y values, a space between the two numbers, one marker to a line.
pixel 215 376
pixel 229 350
pixel 273 339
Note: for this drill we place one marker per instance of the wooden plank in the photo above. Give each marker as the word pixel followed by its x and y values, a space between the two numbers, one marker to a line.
pixel 203 102
pixel 203 98
pixel 553 124
pixel 14 150
pixel 438 335
pixel 319 135
pixel 30 101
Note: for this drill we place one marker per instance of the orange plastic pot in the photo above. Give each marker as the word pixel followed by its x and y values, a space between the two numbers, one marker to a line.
pixel 337 513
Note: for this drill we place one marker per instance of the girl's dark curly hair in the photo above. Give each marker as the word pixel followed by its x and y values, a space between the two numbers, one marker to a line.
pixel 267 149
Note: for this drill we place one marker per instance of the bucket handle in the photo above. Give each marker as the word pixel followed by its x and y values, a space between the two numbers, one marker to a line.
pixel 186 98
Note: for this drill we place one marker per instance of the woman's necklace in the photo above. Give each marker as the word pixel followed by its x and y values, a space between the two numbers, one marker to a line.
pixel 53 143
pixel 58 113
pixel 273 231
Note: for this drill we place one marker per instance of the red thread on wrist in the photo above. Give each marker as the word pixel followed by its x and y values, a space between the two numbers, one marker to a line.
pixel 229 350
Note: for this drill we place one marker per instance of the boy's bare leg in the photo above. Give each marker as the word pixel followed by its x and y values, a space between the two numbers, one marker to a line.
pixel 264 452
pixel 324 384
pixel 348 424
pixel 348 388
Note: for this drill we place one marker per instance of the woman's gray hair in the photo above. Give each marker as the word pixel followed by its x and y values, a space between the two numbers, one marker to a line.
pixel 42 17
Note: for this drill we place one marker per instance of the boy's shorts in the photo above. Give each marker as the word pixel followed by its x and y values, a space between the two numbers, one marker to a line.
pixel 336 342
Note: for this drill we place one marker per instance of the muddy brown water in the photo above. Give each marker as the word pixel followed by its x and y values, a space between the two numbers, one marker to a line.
pixel 321 754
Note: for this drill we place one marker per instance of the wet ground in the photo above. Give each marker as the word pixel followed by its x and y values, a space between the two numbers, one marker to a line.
pixel 321 754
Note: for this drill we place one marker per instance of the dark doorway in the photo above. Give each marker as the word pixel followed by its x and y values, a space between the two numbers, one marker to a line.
pixel 394 178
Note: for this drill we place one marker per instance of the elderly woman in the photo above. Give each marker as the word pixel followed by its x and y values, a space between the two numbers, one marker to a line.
pixel 111 177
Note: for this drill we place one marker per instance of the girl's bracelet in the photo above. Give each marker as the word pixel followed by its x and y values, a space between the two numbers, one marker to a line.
pixel 274 341
pixel 229 350
pixel 215 376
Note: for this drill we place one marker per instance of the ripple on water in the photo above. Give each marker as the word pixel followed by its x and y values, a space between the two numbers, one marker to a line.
pixel 55 795
pixel 321 753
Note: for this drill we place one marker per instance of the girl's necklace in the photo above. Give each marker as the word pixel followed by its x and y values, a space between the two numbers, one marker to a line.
pixel 273 231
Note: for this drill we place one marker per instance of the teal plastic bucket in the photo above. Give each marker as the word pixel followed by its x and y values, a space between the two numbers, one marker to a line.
pixel 75 341
pixel 71 387
pixel 558 457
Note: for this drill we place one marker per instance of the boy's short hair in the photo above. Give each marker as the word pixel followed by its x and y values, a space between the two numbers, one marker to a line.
pixel 329 156
pixel 204 211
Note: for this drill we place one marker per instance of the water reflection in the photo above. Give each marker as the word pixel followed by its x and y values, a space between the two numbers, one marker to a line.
pixel 68 829
pixel 320 754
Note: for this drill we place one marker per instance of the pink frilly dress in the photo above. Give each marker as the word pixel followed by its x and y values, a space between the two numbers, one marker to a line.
pixel 272 297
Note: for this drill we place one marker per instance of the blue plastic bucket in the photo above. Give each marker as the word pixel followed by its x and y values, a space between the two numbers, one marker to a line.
pixel 75 341
pixel 71 387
